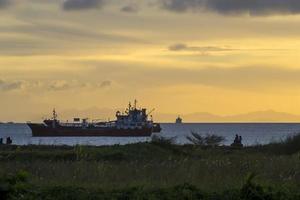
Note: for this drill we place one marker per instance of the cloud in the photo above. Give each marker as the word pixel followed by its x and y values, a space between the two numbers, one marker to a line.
pixel 235 7
pixel 60 85
pixel 246 78
pixel 130 9
pixel 55 85
pixel 82 4
pixel 202 49
pixel 252 78
pixel 60 39
pixel 8 86
pixel 105 84
pixel 4 3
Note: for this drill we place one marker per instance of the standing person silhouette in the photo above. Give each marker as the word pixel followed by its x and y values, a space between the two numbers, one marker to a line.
pixel 8 140
pixel 240 139
pixel 236 139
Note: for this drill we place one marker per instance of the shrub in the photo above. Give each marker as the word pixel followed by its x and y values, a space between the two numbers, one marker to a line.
pixel 208 140
pixel 162 140
pixel 196 138
pixel 251 190
pixel 290 145
pixel 14 186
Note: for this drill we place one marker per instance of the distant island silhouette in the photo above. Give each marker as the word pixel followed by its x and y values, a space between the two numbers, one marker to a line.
pixel 258 116
pixel 266 116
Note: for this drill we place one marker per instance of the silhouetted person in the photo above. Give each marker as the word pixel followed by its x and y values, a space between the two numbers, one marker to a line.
pixel 236 139
pixel 1 141
pixel 8 140
pixel 240 139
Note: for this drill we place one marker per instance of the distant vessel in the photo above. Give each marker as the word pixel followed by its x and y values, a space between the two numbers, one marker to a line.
pixel 133 123
pixel 178 120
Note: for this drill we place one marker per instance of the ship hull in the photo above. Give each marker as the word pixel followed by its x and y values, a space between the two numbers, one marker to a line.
pixel 40 130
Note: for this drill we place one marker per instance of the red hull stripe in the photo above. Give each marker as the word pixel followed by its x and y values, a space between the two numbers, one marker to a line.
pixel 40 130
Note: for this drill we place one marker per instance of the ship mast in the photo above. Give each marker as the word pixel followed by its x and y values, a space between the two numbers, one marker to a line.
pixel 135 103
pixel 54 116
pixel 54 119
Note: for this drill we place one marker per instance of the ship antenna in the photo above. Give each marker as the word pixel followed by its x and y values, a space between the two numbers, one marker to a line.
pixel 54 114
pixel 151 111
pixel 135 102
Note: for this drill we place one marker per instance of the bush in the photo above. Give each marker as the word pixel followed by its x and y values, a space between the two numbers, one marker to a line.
pixel 290 145
pixel 208 140
pixel 250 190
pixel 253 191
pixel 196 139
pixel 14 186
pixel 162 140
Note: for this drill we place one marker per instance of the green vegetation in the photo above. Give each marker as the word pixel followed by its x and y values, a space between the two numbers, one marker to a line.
pixel 208 140
pixel 159 140
pixel 156 170
pixel 289 146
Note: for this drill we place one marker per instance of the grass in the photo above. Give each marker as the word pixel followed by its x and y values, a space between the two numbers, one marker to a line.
pixel 155 170
pixel 17 188
pixel 291 145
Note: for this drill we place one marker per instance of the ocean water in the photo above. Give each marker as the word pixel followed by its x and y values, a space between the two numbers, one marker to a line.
pixel 251 133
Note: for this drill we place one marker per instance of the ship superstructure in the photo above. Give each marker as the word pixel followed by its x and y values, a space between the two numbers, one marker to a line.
pixel 133 118
pixel 133 122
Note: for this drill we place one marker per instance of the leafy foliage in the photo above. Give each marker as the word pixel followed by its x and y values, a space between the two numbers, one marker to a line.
pixel 208 140
pixel 14 186
pixel 289 146
pixel 196 138
pixel 163 140
pixel 249 191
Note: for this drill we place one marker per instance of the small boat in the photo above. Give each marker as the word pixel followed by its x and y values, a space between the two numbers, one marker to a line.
pixel 178 120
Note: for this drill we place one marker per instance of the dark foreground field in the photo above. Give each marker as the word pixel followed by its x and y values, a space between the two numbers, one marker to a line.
pixel 151 171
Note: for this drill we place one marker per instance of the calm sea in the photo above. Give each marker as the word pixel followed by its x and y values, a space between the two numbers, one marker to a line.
pixel 251 133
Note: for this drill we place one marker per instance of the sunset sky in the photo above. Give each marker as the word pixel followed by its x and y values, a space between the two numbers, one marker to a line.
pixel 223 57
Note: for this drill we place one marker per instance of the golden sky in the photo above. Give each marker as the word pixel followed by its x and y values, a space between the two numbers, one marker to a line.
pixel 224 57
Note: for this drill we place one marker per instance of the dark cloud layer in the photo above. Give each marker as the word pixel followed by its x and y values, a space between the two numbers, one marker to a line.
pixel 82 4
pixel 226 7
pixel 233 7
pixel 4 3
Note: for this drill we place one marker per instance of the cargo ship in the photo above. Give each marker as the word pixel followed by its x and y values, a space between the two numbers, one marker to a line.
pixel 134 122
